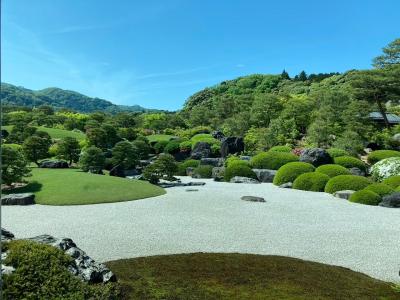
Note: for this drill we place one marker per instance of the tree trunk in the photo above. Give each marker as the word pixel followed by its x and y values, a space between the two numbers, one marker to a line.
pixel 383 113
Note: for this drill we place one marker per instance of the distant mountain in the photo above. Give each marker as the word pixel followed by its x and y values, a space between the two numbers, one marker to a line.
pixel 59 98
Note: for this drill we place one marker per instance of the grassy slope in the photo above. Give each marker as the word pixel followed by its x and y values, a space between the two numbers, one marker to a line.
pixel 242 276
pixel 159 137
pixel 55 133
pixel 74 187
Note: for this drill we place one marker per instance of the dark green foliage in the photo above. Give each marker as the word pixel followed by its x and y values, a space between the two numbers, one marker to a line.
pixel 272 160
pixel 142 148
pixel 69 149
pixel 350 162
pixel 290 171
pixel 332 170
pixel 378 155
pixel 190 163
pixel 125 155
pixel 14 166
pixel 238 170
pixel 393 181
pixel 164 167
pixel 204 171
pixel 346 182
pixel 380 188
pixel 313 181
pixel 365 197
pixel 172 147
pixel 160 146
pixel 336 152
pixel 281 149
pixel 92 159
pixel 185 146
pixel 234 160
pixel 37 146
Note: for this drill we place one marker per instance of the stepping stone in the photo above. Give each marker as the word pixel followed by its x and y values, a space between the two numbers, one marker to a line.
pixel 253 199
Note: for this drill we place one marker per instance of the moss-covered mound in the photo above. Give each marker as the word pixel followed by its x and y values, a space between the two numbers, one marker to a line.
pixel 350 162
pixel 380 188
pixel 346 182
pixel 378 155
pixel 272 160
pixel 290 171
pixel 203 171
pixel 238 170
pixel 234 160
pixel 365 197
pixel 332 170
pixel 393 182
pixel 312 181
pixel 190 163
pixel 336 152
pixel 286 149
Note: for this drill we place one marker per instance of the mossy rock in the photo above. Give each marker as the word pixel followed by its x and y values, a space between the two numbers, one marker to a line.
pixel 365 197
pixel 350 162
pixel 393 181
pixel 272 160
pixel 290 171
pixel 238 170
pixel 312 181
pixel 332 170
pixel 346 182
pixel 378 155
pixel 380 188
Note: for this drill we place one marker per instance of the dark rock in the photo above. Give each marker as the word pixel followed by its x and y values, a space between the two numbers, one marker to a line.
pixel 18 199
pixel 144 162
pixel 316 157
pixel 373 146
pixel 215 162
pixel 265 175
pixel 44 239
pixel 181 155
pixel 6 235
pixel 231 145
pixel 218 173
pixel 357 171
pixel 178 184
pixel 392 200
pixel 287 185
pixel 245 157
pixel 53 164
pixel 201 150
pixel 219 135
pixel 120 172
pixel 345 194
pixel 240 179
pixel 190 171
pixel 191 190
pixel 253 199
pixel 4 134
pixel 95 171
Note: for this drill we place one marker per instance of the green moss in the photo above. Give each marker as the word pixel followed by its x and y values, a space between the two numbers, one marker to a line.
pixel 205 138
pixel 312 181
pixel 332 170
pixel 286 149
pixel 238 170
pixel 350 162
pixel 272 160
pixel 346 182
pixel 378 155
pixel 393 181
pixel 365 197
pixel 380 188
pixel 234 160
pixel 336 152
pixel 290 171
pixel 204 171
pixel 190 163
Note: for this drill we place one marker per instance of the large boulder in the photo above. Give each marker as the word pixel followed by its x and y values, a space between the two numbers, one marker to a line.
pixel 219 135
pixel 218 173
pixel 53 164
pixel 240 179
pixel 392 200
pixel 6 235
pixel 201 150
pixel 231 145
pixel 215 162
pixel 265 175
pixel 316 157
pixel 357 171
pixel 345 194
pixel 18 199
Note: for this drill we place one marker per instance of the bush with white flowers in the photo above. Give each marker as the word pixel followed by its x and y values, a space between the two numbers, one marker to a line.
pixel 386 168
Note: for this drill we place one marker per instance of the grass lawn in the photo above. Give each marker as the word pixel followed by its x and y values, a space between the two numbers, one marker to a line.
pixel 55 133
pixel 154 138
pixel 74 187
pixel 242 276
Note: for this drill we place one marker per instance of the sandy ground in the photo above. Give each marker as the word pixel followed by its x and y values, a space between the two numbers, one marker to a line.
pixel 307 225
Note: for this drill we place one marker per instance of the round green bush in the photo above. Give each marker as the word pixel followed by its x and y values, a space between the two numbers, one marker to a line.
pixel 378 155
pixel 172 147
pixel 365 197
pixel 234 160
pixel 272 160
pixel 204 171
pixel 336 152
pixel 185 146
pixel 380 188
pixel 286 149
pixel 393 182
pixel 160 146
pixel 350 162
pixel 346 182
pixel 332 170
pixel 238 170
pixel 312 181
pixel 190 163
pixel 290 171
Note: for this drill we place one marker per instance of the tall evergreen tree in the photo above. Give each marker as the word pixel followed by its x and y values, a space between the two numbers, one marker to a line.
pixel 285 75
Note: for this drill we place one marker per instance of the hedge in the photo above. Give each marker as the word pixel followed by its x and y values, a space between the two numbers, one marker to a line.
pixel 272 160
pixel 380 188
pixel 365 197
pixel 350 162
pixel 393 182
pixel 238 170
pixel 332 170
pixel 336 152
pixel 378 155
pixel 286 149
pixel 346 182
pixel 290 171
pixel 190 163
pixel 312 181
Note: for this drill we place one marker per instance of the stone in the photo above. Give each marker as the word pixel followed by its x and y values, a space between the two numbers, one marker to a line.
pixel 231 145
pixel 287 185
pixel 265 175
pixel 201 150
pixel 120 172
pixel 219 135
pixel 44 239
pixel 136 177
pixel 316 157
pixel 218 173
pixel 252 199
pixel 245 157
pixel 190 171
pixel 18 199
pixel 392 200
pixel 396 138
pixel 6 235
pixel 345 194
pixel 215 162
pixel 191 190
pixel 53 164
pixel 357 171
pixel 240 179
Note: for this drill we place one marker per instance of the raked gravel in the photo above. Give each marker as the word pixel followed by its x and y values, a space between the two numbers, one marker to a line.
pixel 307 225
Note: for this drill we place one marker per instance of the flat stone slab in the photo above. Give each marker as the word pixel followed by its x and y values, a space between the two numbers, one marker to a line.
pixel 18 199
pixel 253 199
pixel 345 194
pixel 240 179
pixel 191 190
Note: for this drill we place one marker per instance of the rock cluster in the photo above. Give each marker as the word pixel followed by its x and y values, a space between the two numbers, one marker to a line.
pixel 240 179
pixel 53 164
pixel 18 199
pixel 316 157
pixel 231 145
pixel 265 175
pixel 201 150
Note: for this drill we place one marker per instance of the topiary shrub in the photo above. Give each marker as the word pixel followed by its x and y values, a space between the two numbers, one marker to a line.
pixel 172 147
pixel 159 146
pixel 203 171
pixel 312 181
pixel 380 188
pixel 185 146
pixel 234 160
pixel 336 152
pixel 346 182
pixel 350 162
pixel 272 160
pixel 286 149
pixel 378 155
pixel 386 168
pixel 393 182
pixel 290 171
pixel 238 170
pixel 365 197
pixel 190 163
pixel 332 170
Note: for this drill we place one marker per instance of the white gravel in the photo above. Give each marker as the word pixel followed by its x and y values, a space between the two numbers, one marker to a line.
pixel 312 226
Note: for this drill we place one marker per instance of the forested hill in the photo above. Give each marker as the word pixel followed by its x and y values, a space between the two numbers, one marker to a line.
pixel 59 98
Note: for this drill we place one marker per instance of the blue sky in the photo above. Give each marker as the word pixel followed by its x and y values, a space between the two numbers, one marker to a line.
pixel 158 53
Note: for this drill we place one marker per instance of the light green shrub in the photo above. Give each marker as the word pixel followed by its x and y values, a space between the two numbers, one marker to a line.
pixel 286 149
pixel 393 182
pixel 204 171
pixel 378 155
pixel 365 197
pixel 380 188
pixel 346 182
pixel 190 163
pixel 312 181
pixel 238 170
pixel 290 171
pixel 332 170
pixel 272 160
pixel 336 152
pixel 350 162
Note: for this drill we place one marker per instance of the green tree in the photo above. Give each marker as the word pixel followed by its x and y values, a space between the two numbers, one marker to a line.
pixel 164 166
pixel 285 75
pixel 323 130
pixel 390 56
pixel 14 166
pixel 143 148
pixel 37 146
pixel 92 160
pixel 265 108
pixel 69 149
pixel 350 141
pixel 125 155
pixel 255 139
